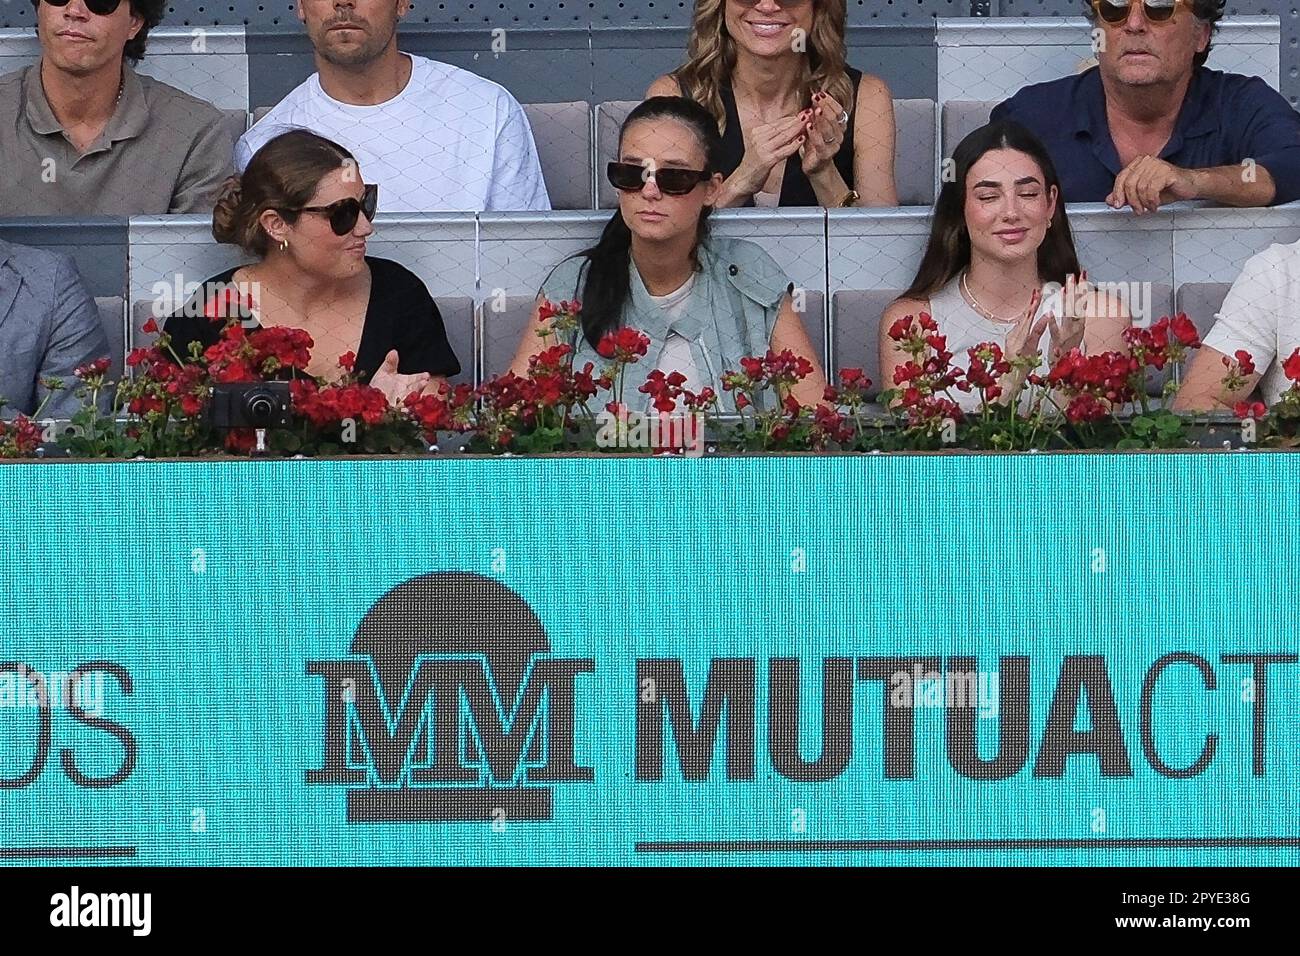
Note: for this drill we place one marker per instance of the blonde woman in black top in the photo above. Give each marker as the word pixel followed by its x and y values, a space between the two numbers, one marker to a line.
pixel 800 127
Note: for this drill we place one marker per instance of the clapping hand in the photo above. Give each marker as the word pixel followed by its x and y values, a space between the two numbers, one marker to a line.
pixel 1022 340
pixel 1077 303
pixel 824 129
pixel 765 146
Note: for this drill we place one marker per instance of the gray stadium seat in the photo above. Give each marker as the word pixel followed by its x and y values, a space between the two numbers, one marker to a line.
pixel 961 118
pixel 112 313
pixel 457 317
pixel 259 113
pixel 562 132
pixel 502 330
pixel 1201 301
pixel 914 170
pixel 855 331
pixel 609 117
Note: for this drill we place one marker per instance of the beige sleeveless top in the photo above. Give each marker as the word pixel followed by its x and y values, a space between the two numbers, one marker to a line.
pixel 965 328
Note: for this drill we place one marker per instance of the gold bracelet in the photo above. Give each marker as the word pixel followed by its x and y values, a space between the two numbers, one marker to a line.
pixel 849 199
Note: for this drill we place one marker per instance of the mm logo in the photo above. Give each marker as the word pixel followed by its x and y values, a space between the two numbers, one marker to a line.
pixel 450 707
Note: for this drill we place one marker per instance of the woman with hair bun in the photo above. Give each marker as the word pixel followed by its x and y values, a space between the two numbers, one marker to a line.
pixel 800 126
pixel 302 208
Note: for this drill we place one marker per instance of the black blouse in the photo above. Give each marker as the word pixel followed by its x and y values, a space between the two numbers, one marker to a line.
pixel 796 190
pixel 400 315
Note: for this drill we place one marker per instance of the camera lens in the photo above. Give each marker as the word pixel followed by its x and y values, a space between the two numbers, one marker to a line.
pixel 260 407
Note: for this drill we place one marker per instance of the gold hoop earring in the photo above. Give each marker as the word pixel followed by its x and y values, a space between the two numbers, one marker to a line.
pixel 284 245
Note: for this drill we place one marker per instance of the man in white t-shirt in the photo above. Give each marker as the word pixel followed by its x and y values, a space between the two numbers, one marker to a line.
pixel 433 136
pixel 1261 315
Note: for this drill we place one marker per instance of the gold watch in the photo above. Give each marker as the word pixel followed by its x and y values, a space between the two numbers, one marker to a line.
pixel 849 199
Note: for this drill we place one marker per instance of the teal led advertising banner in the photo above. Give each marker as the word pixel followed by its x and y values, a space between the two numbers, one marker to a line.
pixel 1069 659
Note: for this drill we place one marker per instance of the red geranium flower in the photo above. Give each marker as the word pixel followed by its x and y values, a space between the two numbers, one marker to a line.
pixel 623 345
pixel 1184 329
pixel 901 328
pixel 1291 367
pixel 854 378
pixel 91 369
pixel 1245 362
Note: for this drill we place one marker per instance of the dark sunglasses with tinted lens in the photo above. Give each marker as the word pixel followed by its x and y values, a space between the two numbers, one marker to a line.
pixel 632 177
pixel 343 214
pixel 100 8
pixel 1116 11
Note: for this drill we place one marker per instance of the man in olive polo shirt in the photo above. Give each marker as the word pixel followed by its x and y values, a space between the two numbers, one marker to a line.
pixel 82 134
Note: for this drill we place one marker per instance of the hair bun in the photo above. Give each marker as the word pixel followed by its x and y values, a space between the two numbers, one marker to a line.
pixel 226 226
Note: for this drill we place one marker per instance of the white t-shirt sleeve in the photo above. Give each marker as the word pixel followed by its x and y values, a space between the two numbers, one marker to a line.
pixel 244 150
pixel 517 183
pixel 1252 312
pixel 257 137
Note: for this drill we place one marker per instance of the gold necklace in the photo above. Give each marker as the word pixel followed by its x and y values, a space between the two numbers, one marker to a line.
pixel 965 287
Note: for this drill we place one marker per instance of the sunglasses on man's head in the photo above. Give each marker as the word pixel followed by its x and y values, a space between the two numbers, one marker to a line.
pixel 343 214
pixel 632 177
pixel 1117 11
pixel 101 8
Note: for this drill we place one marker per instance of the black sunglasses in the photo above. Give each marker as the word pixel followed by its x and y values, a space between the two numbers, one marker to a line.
pixel 632 177
pixel 1116 11
pixel 343 214
pixel 100 8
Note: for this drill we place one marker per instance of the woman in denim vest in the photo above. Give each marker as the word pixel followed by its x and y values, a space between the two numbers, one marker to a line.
pixel 704 302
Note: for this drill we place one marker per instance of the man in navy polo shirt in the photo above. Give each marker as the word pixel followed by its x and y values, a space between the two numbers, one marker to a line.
pixel 1151 125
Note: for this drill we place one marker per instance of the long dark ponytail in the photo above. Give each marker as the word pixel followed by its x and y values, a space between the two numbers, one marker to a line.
pixel 608 281
pixel 948 251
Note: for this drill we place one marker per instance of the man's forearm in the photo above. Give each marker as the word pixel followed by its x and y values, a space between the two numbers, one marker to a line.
pixel 1245 185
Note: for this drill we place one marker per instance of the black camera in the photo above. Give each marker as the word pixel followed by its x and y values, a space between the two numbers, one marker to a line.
pixel 249 405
